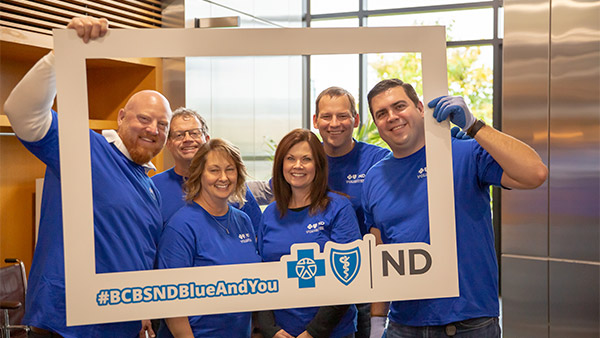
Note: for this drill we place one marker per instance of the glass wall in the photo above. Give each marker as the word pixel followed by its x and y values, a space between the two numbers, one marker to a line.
pixel 387 4
pixel 460 24
pixel 254 101
pixel 250 101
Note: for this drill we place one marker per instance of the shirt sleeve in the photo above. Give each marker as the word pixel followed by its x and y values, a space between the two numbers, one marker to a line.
pixel 489 172
pixel 266 323
pixel 369 222
pixel 262 191
pixel 345 225
pixel 175 249
pixel 28 105
pixel 46 149
pixel 260 235
pixel 252 209
pixel 326 320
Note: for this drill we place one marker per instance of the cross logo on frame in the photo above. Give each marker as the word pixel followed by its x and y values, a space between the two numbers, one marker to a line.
pixel 306 268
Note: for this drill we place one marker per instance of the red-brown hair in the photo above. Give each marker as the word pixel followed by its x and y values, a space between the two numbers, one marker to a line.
pixel 318 190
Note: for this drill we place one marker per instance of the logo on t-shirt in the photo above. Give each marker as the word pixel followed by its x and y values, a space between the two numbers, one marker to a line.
pixel 244 238
pixel 315 227
pixel 152 194
pixel 422 173
pixel 355 178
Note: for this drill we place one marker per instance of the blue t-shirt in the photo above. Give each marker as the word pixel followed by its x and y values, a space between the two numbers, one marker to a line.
pixel 395 202
pixel 347 173
pixel 276 236
pixel 127 223
pixel 170 185
pixel 193 237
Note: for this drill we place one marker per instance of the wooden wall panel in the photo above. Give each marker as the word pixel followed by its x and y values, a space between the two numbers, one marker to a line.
pixel 43 15
pixel 17 199
pixel 25 36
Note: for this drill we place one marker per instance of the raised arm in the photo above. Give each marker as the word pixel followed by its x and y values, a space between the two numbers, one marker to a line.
pixel 28 105
pixel 523 167
pixel 262 191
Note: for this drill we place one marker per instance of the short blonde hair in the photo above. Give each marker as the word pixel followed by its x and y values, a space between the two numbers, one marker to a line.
pixel 193 185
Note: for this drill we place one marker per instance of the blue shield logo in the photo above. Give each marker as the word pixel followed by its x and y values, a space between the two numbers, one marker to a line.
pixel 345 264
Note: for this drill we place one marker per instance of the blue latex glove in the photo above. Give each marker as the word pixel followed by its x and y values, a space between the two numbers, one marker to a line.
pixel 459 134
pixel 453 107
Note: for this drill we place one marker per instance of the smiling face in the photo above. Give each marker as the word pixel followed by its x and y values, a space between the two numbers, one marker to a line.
pixel 144 124
pixel 218 178
pixel 185 138
pixel 335 123
pixel 299 168
pixel 399 121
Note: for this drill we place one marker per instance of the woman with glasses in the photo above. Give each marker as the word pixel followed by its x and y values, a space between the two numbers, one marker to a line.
pixel 208 231
pixel 302 198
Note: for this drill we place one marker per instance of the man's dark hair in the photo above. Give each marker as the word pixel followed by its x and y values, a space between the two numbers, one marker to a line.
pixel 384 85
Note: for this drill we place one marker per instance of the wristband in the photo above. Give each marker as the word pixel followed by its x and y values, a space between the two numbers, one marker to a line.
pixel 475 128
pixel 377 326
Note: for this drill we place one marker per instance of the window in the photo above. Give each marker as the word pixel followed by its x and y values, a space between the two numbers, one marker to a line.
pixel 474 49
pixel 474 31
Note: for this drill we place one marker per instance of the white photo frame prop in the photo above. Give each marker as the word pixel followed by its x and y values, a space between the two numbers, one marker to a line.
pixel 342 274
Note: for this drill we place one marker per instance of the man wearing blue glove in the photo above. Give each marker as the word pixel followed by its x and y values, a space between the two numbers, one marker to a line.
pixel 394 199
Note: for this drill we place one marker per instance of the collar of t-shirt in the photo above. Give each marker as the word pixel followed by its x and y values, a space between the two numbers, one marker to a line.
pixel 112 137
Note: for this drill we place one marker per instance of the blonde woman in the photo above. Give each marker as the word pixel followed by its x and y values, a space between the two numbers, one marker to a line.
pixel 208 231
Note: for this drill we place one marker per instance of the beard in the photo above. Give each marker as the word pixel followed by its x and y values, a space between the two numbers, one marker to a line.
pixel 140 155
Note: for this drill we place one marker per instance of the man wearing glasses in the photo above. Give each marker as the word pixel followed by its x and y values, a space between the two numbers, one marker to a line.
pixel 187 134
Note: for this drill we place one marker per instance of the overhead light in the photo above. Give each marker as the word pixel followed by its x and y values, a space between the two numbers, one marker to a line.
pixel 226 21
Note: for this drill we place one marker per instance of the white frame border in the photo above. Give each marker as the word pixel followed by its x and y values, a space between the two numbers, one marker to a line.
pixel 71 53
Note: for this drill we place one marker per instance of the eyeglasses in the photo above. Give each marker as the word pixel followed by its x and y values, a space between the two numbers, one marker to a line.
pixel 180 135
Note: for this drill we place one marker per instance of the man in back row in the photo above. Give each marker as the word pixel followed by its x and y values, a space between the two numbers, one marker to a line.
pixel 395 204
pixel 188 132
pixel 127 219
pixel 349 160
